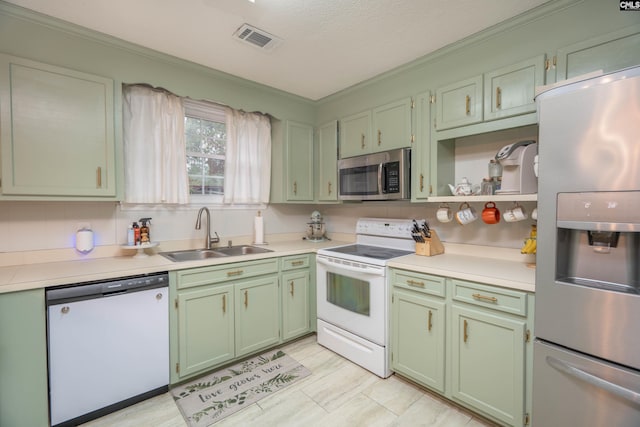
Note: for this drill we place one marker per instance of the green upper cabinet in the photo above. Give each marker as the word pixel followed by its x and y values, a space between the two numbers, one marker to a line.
pixel 355 135
pixel 257 314
pixel 299 162
pixel 392 125
pixel 608 53
pixel 510 90
pixel 459 104
pixel 328 162
pixel 421 152
pixel 57 131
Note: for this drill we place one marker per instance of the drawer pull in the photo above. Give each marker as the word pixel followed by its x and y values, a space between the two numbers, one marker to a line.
pixel 297 263
pixel 430 318
pixel 421 182
pixel 379 137
pixel 467 105
pixel 362 141
pixel 415 283
pixel 466 330
pixel 246 299
pixel 224 304
pixel 234 273
pixel 485 298
pixel 291 288
pixel 498 98
pixel 329 187
pixel 99 177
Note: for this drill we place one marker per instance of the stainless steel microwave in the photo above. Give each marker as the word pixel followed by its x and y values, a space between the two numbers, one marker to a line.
pixel 377 176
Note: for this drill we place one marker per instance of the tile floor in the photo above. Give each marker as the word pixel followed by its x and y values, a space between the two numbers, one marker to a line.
pixel 338 393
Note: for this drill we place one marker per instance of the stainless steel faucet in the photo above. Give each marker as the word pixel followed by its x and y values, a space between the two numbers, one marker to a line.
pixel 208 240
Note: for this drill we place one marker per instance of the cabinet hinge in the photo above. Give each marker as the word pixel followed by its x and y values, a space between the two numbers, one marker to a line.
pixel 432 99
pixel 413 139
pixel 413 103
pixel 177 368
pixel 526 419
pixel 527 335
pixel 430 189
pixel 176 303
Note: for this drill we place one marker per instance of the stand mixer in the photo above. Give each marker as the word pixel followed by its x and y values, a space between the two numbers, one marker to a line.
pixel 315 229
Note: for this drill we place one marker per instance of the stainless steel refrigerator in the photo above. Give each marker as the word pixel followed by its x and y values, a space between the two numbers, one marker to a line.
pixel 587 318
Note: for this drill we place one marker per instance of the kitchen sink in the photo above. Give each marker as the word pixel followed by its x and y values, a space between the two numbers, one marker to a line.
pixel 202 254
pixel 241 250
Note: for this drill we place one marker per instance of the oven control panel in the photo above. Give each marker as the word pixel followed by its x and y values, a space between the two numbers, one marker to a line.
pixel 384 227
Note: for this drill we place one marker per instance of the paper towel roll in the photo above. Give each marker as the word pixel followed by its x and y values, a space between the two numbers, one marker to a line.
pixel 258 229
pixel 84 240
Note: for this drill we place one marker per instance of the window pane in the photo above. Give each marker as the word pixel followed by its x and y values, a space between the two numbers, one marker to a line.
pixel 205 145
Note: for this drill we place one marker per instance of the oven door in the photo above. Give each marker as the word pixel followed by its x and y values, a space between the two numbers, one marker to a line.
pixel 353 297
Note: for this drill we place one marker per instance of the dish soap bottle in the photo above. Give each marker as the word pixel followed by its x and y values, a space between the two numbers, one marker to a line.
pixel 145 236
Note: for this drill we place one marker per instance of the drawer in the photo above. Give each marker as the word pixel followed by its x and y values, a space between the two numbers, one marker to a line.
pixel 294 262
pixel 426 283
pixel 225 272
pixel 509 301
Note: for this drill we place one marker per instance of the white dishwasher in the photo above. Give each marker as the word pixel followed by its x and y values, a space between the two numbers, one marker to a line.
pixel 108 345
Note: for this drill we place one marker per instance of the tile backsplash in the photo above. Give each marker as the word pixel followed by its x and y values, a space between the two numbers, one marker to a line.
pixel 31 226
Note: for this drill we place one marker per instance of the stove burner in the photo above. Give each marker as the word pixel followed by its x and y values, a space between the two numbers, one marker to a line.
pixel 375 252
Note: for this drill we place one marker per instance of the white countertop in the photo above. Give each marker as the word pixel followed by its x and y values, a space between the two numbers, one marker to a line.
pixel 503 267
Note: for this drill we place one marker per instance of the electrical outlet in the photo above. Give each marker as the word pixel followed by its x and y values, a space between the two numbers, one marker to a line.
pixel 85 225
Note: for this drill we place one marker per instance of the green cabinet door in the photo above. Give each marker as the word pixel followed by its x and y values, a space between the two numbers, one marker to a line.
pixel 488 363
pixel 355 135
pixel 299 162
pixel 608 53
pixel 57 131
pixel 510 91
pixel 392 125
pixel 327 182
pixel 23 359
pixel 418 338
pixel 257 314
pixel 205 328
pixel 459 104
pixel 421 152
pixel 295 304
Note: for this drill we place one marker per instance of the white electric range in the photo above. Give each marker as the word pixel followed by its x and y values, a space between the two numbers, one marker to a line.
pixel 353 293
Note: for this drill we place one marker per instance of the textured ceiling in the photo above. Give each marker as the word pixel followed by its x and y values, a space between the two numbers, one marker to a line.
pixel 328 45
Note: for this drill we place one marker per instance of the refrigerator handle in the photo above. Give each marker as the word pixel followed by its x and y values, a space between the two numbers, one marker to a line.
pixel 613 388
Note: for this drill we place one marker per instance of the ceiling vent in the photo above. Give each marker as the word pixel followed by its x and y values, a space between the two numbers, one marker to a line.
pixel 256 37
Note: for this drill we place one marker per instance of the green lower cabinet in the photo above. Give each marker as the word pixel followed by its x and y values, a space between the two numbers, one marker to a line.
pixel 257 314
pixel 205 328
pixel 418 338
pixel 488 363
pixel 295 304
pixel 23 359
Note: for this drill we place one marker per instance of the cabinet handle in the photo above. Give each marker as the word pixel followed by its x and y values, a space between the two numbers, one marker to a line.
pixel 329 187
pixel 466 330
pixel 414 283
pixel 224 304
pixel 421 182
pixel 291 288
pixel 485 298
pixel 362 141
pixel 379 137
pixel 498 98
pixel 430 317
pixel 467 105
pixel 297 263
pixel 99 177
pixel 246 299
pixel 295 187
pixel 234 273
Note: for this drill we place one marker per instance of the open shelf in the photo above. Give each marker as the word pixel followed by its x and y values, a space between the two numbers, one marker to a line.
pixel 486 198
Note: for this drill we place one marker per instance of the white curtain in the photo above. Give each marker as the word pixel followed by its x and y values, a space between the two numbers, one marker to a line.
pixel 247 173
pixel 154 147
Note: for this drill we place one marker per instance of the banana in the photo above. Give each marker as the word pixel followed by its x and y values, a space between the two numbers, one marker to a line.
pixel 527 245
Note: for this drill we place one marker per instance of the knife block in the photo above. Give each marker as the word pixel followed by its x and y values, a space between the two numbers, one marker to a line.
pixel 432 246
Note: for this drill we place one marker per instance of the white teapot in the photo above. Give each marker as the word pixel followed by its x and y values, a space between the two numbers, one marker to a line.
pixel 463 188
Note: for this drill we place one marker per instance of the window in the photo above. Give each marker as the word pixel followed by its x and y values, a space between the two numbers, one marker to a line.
pixel 206 138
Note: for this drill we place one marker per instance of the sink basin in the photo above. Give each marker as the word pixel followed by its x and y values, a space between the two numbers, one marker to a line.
pixel 192 255
pixel 201 254
pixel 241 250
